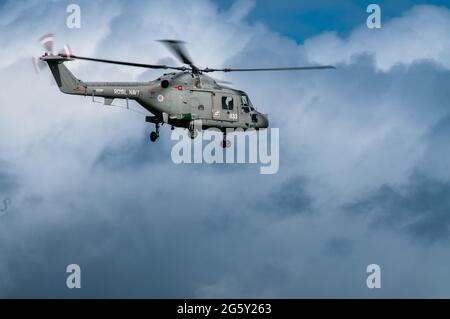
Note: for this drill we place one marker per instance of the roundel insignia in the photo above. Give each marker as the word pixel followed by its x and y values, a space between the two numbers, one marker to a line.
pixel 160 98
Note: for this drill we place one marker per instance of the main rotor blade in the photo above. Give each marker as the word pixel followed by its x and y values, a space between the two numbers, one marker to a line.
pixel 303 68
pixel 139 65
pixel 177 48
pixel 221 81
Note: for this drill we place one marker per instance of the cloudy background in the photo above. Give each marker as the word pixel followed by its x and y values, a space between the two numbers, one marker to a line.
pixel 364 156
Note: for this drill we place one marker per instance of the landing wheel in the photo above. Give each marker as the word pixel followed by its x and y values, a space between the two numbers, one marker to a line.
pixel 192 134
pixel 225 144
pixel 153 136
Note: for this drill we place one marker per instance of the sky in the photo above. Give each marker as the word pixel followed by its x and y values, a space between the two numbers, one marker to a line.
pixel 364 155
pixel 300 20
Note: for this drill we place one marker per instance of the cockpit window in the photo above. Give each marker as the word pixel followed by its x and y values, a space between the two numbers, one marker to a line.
pixel 245 101
pixel 246 104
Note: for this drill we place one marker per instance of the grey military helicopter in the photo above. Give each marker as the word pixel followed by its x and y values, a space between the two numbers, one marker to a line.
pixel 187 98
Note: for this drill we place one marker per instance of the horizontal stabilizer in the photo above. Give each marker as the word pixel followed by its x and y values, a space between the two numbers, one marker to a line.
pixel 108 101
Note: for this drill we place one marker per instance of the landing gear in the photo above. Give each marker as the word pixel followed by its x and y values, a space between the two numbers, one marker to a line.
pixel 225 143
pixel 192 133
pixel 154 135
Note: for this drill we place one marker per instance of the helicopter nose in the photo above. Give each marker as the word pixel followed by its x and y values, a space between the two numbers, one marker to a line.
pixel 264 120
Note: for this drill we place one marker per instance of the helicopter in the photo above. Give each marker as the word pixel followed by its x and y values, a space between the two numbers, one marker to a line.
pixel 186 97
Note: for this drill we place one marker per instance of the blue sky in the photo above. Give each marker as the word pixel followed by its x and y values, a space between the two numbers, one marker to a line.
pixel 364 156
pixel 300 20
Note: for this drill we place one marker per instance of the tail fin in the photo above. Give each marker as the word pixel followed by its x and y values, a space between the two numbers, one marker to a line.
pixel 65 80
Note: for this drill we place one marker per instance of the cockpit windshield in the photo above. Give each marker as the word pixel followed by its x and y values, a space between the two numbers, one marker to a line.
pixel 246 104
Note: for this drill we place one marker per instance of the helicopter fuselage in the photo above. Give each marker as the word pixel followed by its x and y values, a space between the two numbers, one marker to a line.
pixel 181 99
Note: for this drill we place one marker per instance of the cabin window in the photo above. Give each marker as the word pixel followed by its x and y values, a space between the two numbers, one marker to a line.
pixel 227 102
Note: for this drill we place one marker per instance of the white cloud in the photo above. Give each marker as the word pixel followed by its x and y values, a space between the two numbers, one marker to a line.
pixel 348 131
pixel 419 34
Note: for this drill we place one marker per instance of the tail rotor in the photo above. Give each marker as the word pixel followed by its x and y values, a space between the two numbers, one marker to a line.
pixel 38 64
pixel 47 41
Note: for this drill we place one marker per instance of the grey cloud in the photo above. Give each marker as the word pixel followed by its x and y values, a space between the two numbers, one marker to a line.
pixel 291 197
pixel 131 154
pixel 100 194
pixel 436 156
pixel 9 180
pixel 340 246
pixel 421 208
